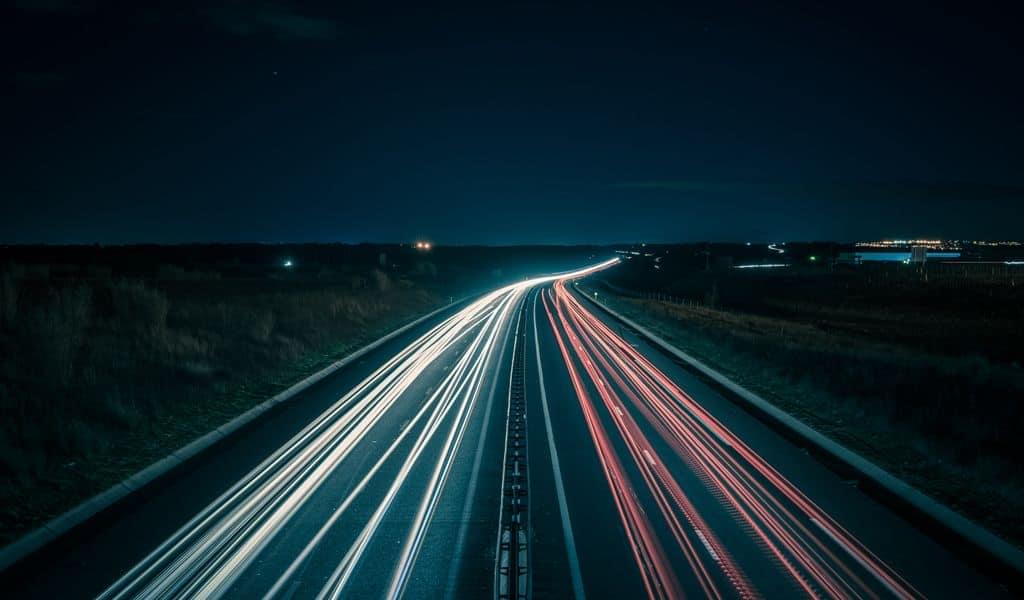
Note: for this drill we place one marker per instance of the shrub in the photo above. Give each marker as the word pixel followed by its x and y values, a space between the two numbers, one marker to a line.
pixel 139 308
pixel 381 280
pixel 8 300
pixel 261 325
pixel 52 332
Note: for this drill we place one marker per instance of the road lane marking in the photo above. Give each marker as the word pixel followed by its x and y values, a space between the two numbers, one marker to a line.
pixel 467 509
pixel 563 507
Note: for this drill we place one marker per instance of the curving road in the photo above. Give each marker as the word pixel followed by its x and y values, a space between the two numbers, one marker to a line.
pixel 409 473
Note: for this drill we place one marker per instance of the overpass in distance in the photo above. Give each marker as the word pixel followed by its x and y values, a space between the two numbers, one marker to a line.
pixel 518 445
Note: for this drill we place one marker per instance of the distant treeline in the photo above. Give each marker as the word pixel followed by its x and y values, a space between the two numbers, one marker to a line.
pixel 449 264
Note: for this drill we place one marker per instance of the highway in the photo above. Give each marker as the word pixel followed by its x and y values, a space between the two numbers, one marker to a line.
pixel 402 476
pixel 697 496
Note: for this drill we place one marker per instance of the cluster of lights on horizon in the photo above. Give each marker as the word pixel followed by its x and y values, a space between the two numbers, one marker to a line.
pixel 935 244
pixel 996 243
pixel 930 244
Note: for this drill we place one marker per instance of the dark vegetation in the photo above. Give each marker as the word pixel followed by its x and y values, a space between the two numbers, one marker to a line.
pixel 917 367
pixel 115 356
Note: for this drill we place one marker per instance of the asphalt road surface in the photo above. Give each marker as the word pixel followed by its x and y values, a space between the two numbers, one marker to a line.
pixel 396 476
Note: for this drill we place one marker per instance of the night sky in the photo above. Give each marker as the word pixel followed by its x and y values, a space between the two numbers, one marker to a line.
pixel 286 121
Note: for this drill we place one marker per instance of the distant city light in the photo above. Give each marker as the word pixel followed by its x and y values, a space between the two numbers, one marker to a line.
pixel 813 258
pixel 288 263
pixel 765 266
pixel 900 244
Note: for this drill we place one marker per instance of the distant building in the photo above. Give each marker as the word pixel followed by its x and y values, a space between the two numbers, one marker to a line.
pixel 916 255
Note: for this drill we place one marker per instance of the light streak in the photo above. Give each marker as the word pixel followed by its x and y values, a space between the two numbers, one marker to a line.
pixel 208 554
pixel 655 571
pixel 818 554
pixel 659 578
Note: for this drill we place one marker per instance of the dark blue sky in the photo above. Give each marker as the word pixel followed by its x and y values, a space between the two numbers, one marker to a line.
pixel 287 121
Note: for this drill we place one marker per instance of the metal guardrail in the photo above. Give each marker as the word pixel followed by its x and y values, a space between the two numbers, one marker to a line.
pixel 511 576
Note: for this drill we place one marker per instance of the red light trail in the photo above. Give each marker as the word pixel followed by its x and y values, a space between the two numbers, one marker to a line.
pixel 821 558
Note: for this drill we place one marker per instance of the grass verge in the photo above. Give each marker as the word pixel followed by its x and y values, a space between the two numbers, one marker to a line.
pixel 104 376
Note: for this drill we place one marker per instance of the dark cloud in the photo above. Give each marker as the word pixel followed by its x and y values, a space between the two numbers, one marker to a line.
pixel 279 20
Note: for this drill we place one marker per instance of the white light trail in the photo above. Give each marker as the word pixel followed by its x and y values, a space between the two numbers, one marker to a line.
pixel 207 556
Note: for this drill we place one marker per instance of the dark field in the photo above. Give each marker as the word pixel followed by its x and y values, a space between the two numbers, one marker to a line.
pixel 116 356
pixel 918 368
